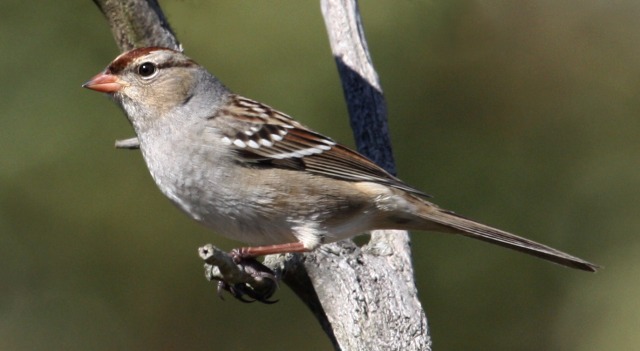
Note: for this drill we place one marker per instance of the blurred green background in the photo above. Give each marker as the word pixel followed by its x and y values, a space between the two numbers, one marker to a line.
pixel 521 114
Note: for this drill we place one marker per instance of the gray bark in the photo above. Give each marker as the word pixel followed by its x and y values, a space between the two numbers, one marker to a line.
pixel 364 298
pixel 138 23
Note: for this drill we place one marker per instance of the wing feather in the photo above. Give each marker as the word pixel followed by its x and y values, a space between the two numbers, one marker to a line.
pixel 262 134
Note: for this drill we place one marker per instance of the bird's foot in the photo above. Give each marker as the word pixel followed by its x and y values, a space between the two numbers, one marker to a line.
pixel 241 275
pixel 246 292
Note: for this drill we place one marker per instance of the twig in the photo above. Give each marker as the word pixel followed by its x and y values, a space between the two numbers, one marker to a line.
pixel 131 144
pixel 138 23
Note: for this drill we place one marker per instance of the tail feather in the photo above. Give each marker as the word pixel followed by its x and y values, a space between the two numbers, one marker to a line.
pixel 483 232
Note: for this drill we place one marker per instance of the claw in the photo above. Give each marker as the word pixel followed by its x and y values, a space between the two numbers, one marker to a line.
pixel 241 291
pixel 238 291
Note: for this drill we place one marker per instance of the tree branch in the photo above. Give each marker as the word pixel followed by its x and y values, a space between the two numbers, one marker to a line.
pixel 138 23
pixel 365 101
pixel 362 290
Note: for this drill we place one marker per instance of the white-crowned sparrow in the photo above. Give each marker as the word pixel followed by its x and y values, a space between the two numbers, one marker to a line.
pixel 253 174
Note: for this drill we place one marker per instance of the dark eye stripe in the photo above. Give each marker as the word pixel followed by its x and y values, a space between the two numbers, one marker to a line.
pixel 170 64
pixel 123 61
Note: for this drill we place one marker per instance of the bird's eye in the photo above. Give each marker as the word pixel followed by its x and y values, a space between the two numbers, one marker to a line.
pixel 147 69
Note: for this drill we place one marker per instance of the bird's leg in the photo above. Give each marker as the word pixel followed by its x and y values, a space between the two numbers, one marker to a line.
pixel 254 251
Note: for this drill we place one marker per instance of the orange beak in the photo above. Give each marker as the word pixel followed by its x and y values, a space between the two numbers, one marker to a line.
pixel 104 83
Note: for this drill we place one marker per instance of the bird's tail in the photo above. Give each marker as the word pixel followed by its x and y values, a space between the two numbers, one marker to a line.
pixel 451 222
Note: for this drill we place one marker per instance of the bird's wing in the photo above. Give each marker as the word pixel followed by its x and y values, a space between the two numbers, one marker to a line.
pixel 261 134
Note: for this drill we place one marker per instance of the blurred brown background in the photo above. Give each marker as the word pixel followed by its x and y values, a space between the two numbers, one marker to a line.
pixel 523 115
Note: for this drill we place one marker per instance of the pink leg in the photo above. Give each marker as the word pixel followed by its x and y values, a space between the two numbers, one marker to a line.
pixel 255 251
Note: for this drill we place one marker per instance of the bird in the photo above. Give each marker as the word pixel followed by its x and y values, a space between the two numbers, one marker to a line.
pixel 254 174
